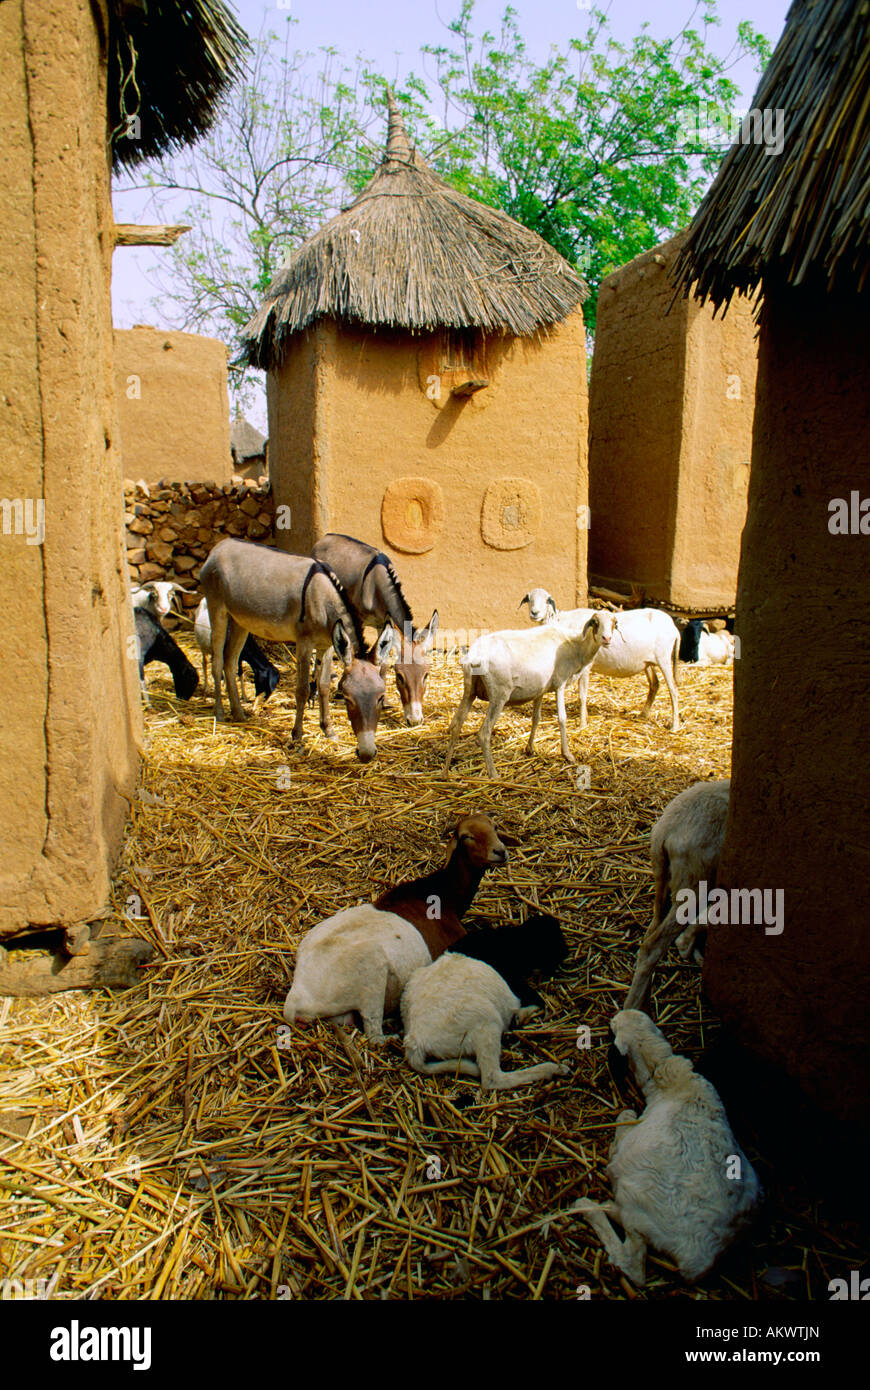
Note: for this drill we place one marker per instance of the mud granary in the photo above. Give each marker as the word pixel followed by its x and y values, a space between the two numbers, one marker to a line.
pixel 670 437
pixel 799 821
pixel 426 363
pixel 69 703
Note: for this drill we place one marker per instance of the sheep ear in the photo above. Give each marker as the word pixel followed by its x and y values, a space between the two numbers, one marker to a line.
pixel 591 624
pixel 551 604
pixel 523 600
pixel 341 644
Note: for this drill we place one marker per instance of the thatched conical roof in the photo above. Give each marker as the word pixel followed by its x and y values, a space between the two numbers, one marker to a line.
pixel 804 212
pixel 411 252
pixel 170 62
pixel 245 442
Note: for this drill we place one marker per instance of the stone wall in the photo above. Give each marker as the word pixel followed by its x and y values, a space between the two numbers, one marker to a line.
pixel 173 404
pixel 69 702
pixel 172 526
pixel 476 497
pixel 671 407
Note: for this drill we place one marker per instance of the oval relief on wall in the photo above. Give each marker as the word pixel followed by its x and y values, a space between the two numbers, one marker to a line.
pixel 412 514
pixel 511 514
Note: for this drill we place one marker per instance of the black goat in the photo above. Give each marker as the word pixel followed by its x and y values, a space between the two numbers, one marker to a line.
pixel 517 952
pixel 155 644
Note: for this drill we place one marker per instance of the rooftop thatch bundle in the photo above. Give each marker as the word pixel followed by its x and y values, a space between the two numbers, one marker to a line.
pixel 804 213
pixel 169 65
pixel 245 442
pixel 411 252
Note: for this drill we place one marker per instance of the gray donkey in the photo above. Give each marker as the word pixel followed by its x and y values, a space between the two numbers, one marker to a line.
pixel 376 593
pixel 289 598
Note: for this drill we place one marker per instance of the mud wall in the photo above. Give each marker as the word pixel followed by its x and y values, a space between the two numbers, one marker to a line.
pixel 69 705
pixel 173 405
pixel 800 813
pixel 671 406
pixel 476 497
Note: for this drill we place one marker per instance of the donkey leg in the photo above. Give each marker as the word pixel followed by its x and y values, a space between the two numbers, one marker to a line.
pixel 324 677
pixel 233 646
pixel 219 622
pixel 304 649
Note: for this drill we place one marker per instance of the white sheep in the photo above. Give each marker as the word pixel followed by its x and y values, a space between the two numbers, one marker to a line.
pixel 681 1182
pixel 518 667
pixel 647 639
pixel 361 959
pixel 458 1008
pixel 356 961
pixel 685 845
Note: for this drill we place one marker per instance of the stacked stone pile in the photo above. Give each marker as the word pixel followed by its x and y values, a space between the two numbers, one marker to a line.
pixel 171 527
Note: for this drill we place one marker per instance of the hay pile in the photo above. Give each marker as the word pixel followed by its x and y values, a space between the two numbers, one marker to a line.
pixel 177 1141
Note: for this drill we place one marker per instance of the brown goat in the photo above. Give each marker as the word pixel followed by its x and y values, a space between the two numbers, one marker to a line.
pixel 436 903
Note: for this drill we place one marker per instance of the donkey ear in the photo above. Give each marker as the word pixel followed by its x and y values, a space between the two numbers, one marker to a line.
pixel 385 643
pixel 342 644
pixel 426 635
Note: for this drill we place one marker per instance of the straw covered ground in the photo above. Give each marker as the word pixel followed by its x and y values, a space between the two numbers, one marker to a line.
pixel 178 1141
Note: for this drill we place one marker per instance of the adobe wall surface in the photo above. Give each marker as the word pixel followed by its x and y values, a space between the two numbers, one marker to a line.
pixel 800 813
pixel 173 405
pixel 475 498
pixel 69 704
pixel 671 407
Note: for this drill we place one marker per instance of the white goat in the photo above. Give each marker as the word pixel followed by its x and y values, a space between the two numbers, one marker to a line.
pixel 685 845
pixel 357 961
pixel 681 1182
pixel 516 667
pixel 156 596
pixel 459 1008
pixel 647 638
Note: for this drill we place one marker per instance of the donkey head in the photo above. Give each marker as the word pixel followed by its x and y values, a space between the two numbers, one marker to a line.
pixel 412 668
pixel 361 686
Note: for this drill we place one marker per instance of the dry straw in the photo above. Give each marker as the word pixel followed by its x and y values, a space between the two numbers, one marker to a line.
pixel 177 1141
pixel 413 253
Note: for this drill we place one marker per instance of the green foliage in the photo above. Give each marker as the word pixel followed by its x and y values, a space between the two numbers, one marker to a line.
pixel 590 148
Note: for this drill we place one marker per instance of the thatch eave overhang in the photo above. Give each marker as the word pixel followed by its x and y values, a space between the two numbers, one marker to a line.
pixel 803 214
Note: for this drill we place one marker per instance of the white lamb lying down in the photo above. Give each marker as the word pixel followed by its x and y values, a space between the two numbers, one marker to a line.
pixel 357 961
pixel 458 1008
pixel 680 1180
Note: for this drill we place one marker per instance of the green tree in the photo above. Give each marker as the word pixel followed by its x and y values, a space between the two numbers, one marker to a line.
pixel 592 148
pixel 268 174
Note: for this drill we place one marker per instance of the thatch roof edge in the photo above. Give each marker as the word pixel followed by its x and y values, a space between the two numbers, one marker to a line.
pixel 802 214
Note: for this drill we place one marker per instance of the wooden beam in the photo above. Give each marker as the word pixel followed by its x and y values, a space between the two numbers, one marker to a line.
pixel 468 388
pixel 132 234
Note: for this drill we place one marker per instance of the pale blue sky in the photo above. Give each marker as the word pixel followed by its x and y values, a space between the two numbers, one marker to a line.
pixel 390 33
